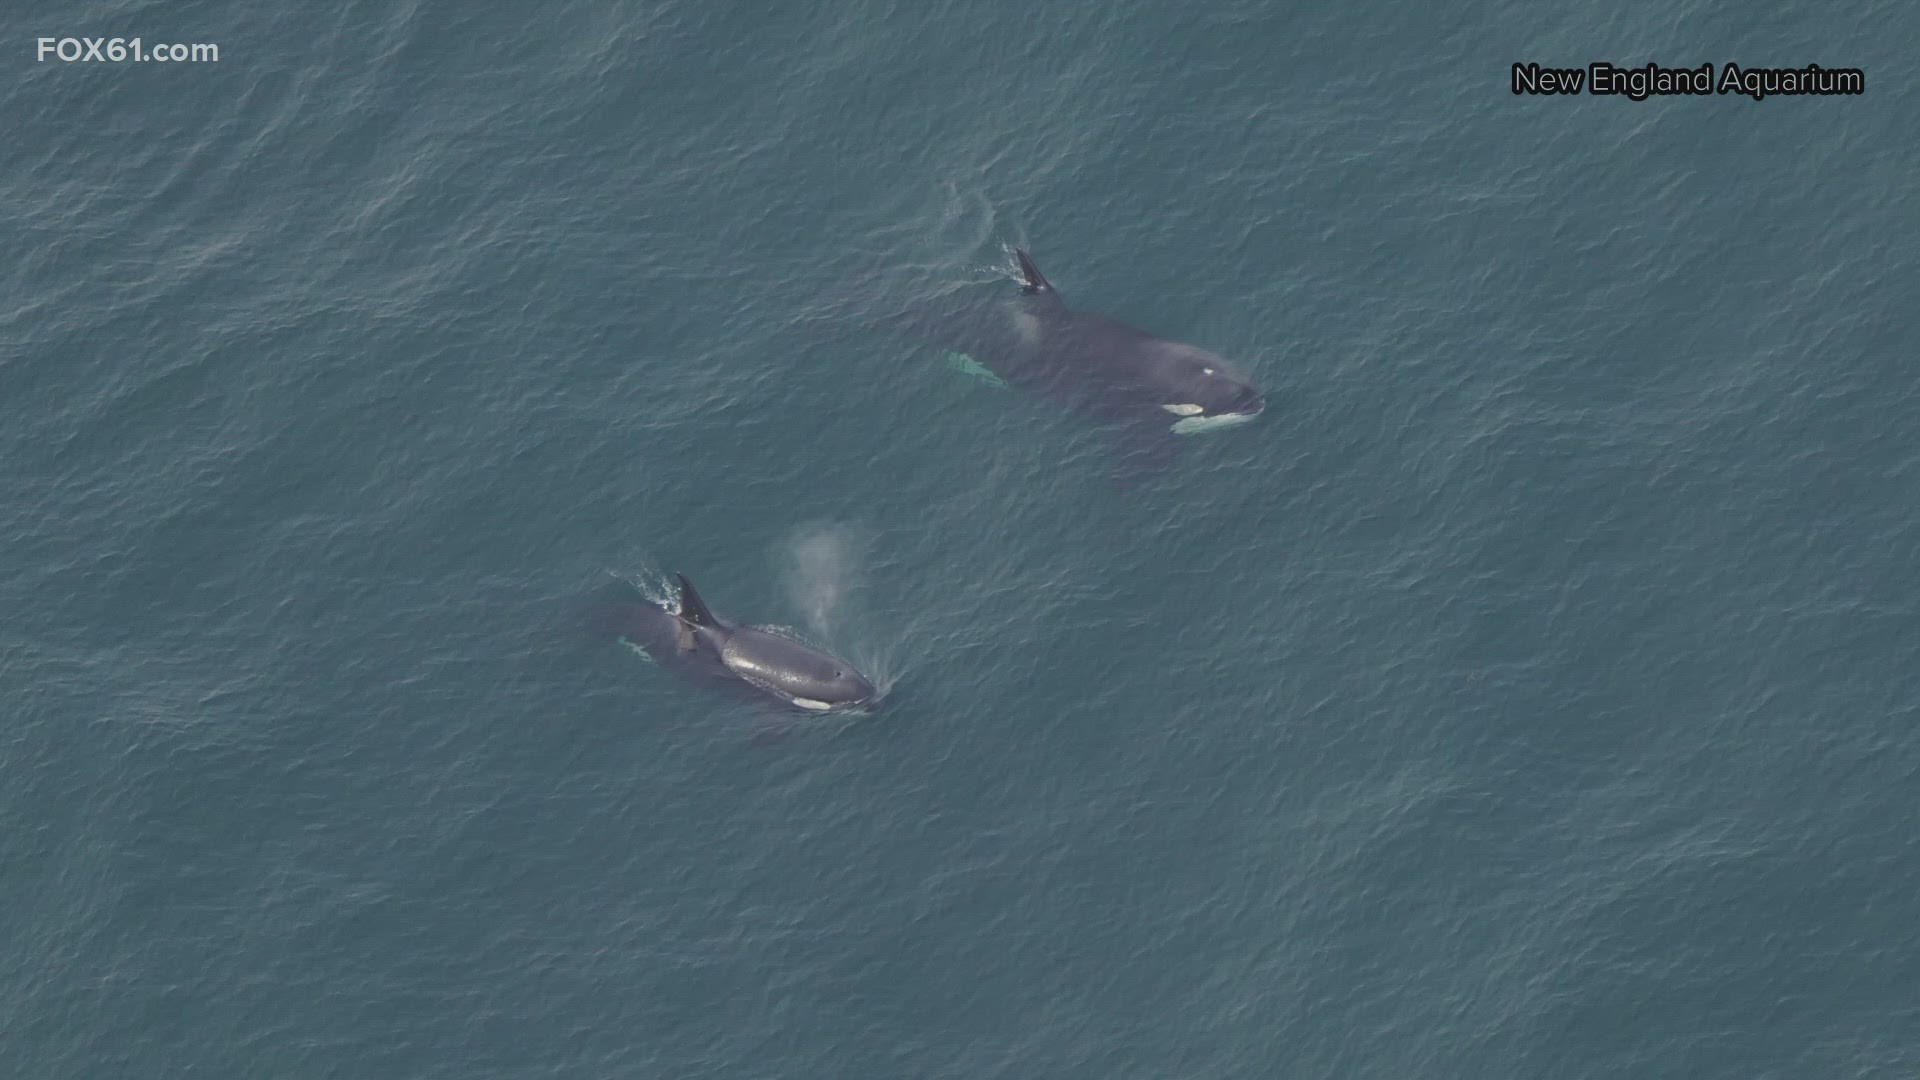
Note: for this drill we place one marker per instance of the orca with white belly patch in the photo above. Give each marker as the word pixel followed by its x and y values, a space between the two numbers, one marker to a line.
pixel 693 642
pixel 1097 366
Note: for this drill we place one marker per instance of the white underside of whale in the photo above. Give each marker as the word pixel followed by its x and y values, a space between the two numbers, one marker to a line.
pixel 1191 421
pixel 1201 425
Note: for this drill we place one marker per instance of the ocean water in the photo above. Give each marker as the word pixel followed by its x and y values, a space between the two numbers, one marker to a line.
pixel 1530 692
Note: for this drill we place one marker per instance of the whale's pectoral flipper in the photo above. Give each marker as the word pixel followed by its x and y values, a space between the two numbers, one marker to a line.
pixel 1036 282
pixel 967 365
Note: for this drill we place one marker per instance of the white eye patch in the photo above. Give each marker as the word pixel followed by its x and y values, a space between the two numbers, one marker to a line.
pixel 1206 371
pixel 1184 410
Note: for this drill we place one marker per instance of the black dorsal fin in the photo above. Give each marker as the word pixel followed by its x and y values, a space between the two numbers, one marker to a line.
pixel 1036 281
pixel 692 609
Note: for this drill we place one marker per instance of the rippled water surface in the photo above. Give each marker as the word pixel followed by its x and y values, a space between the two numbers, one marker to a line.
pixel 1529 692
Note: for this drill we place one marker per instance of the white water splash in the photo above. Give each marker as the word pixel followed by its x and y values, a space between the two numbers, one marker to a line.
pixel 654 583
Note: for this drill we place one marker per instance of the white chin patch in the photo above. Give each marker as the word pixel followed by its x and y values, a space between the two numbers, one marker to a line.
pixel 1200 425
pixel 1184 410
pixel 809 703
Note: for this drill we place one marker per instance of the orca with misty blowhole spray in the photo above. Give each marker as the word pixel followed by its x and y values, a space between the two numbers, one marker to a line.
pixel 690 640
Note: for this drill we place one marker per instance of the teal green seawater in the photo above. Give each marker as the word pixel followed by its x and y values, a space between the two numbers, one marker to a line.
pixel 1529 692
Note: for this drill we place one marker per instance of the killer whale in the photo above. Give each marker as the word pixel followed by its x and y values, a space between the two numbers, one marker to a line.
pixel 693 642
pixel 1094 365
